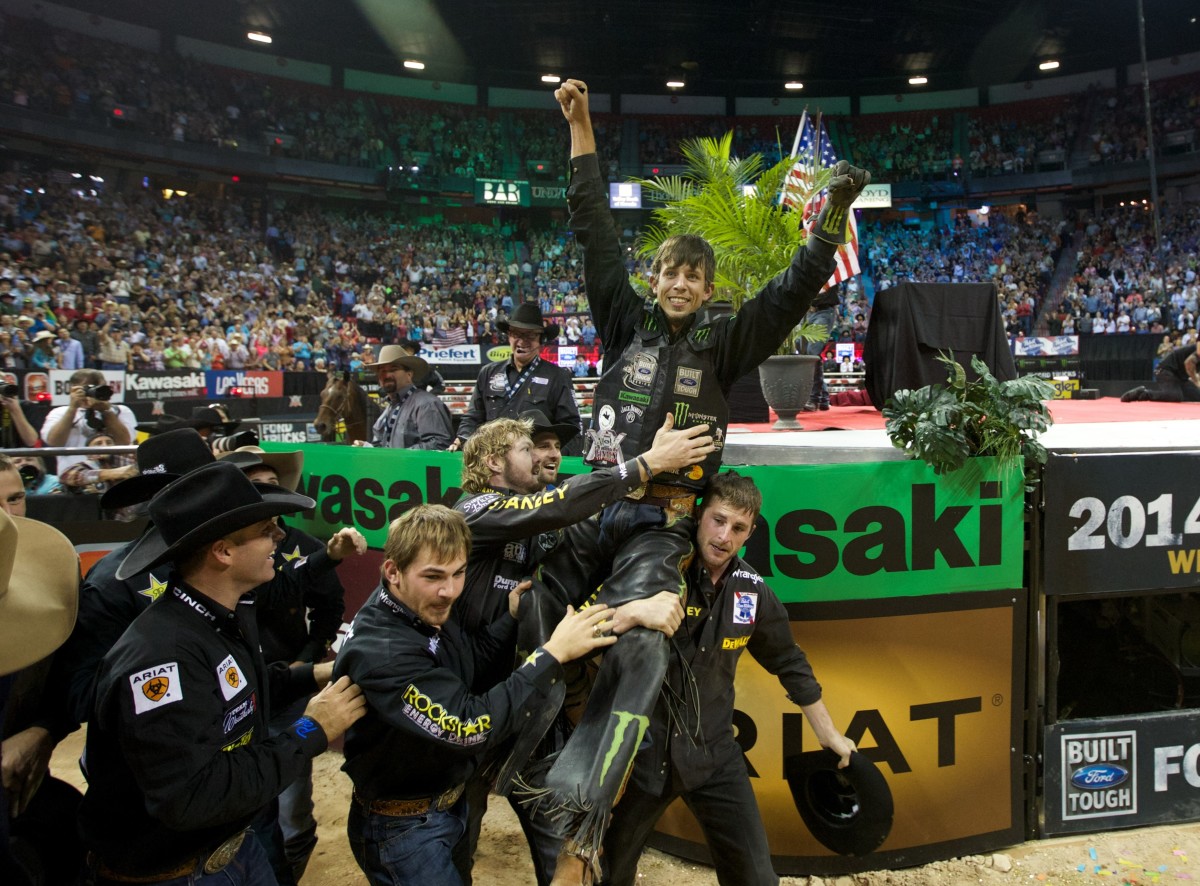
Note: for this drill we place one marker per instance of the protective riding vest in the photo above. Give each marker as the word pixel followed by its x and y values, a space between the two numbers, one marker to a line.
pixel 656 377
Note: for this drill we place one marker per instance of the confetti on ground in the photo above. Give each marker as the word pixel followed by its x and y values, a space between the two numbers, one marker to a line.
pixel 1092 852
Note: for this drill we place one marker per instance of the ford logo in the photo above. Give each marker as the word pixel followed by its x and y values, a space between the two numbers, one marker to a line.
pixel 1098 777
pixel 688 382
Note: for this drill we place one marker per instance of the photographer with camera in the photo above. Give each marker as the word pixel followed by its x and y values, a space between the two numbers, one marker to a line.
pixel 15 429
pixel 37 480
pixel 89 412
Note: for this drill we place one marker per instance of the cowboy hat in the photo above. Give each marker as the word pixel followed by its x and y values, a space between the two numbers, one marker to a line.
pixel 528 315
pixel 39 591
pixel 201 507
pixel 848 810
pixel 207 417
pixel 566 432
pixel 287 465
pixel 162 425
pixel 43 335
pixel 161 459
pixel 395 355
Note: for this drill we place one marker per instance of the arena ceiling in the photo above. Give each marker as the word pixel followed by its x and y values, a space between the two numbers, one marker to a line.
pixel 718 47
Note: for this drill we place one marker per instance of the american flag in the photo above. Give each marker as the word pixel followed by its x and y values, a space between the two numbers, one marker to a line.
pixel 809 141
pixel 454 335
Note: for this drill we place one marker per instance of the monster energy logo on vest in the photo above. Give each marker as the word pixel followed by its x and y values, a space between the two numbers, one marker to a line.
pixel 681 414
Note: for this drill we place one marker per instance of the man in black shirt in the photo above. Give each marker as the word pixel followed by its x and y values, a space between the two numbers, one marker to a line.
pixel 1177 378
pixel 729 609
pixel 426 728
pixel 178 757
pixel 523 382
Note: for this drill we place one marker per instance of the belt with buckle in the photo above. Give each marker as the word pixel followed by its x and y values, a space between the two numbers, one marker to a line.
pixel 416 806
pixel 212 863
pixel 678 499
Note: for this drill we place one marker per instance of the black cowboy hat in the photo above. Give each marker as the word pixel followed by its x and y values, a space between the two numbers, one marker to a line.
pixel 207 417
pixel 160 459
pixel 162 424
pixel 565 431
pixel 201 507
pixel 527 315
pixel 848 810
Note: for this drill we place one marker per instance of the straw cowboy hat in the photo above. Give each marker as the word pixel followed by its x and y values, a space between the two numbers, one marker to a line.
pixel 160 460
pixel 201 507
pixel 39 591
pixel 43 335
pixel 395 355
pixel 288 465
pixel 528 316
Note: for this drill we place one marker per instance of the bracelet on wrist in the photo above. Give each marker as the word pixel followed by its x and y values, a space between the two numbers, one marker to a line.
pixel 646 466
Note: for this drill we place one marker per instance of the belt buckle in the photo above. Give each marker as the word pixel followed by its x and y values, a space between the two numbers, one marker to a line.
pixel 223 854
pixel 448 799
pixel 639 493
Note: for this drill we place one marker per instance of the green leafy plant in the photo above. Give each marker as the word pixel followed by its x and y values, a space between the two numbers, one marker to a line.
pixel 945 425
pixel 733 203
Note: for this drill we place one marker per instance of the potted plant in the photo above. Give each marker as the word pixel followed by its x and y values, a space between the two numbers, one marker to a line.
pixel 733 203
pixel 945 425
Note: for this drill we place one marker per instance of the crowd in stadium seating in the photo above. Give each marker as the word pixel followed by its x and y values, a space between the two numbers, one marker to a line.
pixel 1115 286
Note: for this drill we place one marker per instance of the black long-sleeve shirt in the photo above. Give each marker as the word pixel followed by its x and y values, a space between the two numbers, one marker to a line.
pixel 424 729
pixel 178 757
pixel 548 388
pixel 743 613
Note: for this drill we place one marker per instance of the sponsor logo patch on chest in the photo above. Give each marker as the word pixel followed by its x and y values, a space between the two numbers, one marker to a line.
pixel 745 607
pixel 230 678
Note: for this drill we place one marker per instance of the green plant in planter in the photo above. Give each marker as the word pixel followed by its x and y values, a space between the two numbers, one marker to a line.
pixel 733 203
pixel 945 425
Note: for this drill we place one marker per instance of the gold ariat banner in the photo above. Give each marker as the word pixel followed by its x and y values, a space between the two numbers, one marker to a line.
pixel 934 699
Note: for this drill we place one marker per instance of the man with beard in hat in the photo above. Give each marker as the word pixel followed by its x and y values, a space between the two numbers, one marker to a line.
pixel 412 418
pixel 506 464
pixel 729 609
pixel 178 757
pixel 525 381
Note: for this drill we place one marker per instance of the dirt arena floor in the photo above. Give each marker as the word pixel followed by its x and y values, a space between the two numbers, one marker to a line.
pixel 1162 855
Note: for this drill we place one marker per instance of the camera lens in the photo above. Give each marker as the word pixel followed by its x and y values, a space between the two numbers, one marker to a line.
pixel 9 391
pixel 99 392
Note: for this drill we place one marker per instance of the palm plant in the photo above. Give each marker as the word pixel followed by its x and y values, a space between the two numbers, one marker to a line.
pixel 733 203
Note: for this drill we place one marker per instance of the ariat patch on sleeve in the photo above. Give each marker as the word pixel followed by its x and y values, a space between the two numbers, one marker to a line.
pixel 230 678
pixel 155 687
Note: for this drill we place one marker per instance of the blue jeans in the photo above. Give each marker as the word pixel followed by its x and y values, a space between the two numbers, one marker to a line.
pixel 396 850
pixel 250 867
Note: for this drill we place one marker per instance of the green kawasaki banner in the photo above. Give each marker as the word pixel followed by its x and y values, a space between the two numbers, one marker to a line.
pixel 829 532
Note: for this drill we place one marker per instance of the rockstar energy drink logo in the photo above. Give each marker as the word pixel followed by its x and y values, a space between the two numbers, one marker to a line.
pixel 155 689
pixel 232 677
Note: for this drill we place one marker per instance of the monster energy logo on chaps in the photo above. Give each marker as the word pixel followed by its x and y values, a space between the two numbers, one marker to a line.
pixel 661 379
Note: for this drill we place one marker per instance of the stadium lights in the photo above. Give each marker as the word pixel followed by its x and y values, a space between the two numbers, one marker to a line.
pixel 1048 66
pixel 258 37
pixel 551 78
pixel 413 65
pixel 793 84
pixel 917 81
pixel 675 84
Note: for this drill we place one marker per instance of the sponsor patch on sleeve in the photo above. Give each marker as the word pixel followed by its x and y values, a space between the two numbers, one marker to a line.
pixel 230 678
pixel 155 687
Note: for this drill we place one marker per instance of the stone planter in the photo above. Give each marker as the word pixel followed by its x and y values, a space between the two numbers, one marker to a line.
pixel 787 383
